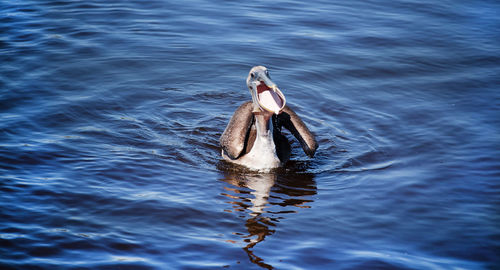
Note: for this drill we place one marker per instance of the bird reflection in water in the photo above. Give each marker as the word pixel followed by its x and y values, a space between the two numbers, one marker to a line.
pixel 263 200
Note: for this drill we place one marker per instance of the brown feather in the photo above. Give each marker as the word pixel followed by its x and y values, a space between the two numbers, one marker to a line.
pixel 235 136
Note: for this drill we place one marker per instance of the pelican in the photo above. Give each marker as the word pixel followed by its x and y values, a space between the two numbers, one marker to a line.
pixel 253 136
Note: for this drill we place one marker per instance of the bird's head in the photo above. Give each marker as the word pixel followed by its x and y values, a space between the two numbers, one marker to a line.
pixel 266 96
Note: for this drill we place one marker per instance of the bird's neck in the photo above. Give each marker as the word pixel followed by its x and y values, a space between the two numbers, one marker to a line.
pixel 264 124
pixel 263 155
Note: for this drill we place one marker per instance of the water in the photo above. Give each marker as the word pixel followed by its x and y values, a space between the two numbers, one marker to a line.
pixel 111 113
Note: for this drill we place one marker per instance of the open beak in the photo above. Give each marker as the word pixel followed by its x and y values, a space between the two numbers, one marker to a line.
pixel 268 96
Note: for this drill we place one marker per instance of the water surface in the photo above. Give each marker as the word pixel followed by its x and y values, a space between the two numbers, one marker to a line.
pixel 111 113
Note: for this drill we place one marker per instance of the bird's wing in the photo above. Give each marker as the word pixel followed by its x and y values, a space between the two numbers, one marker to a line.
pixel 234 138
pixel 291 121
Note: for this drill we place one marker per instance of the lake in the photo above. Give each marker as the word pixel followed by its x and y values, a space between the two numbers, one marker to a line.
pixel 111 113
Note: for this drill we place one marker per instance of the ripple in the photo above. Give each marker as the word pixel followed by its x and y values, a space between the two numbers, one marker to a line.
pixel 394 259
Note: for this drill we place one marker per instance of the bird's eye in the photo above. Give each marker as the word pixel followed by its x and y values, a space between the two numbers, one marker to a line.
pixel 267 74
pixel 252 75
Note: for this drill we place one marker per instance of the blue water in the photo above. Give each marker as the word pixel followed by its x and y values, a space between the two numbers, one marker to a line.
pixel 110 114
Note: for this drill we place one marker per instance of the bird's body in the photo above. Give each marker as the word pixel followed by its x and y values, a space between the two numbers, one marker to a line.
pixel 253 136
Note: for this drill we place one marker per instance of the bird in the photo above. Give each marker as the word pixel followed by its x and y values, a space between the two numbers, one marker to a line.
pixel 253 136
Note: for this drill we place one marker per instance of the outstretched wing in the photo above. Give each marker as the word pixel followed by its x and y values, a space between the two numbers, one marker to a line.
pixel 234 138
pixel 291 121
